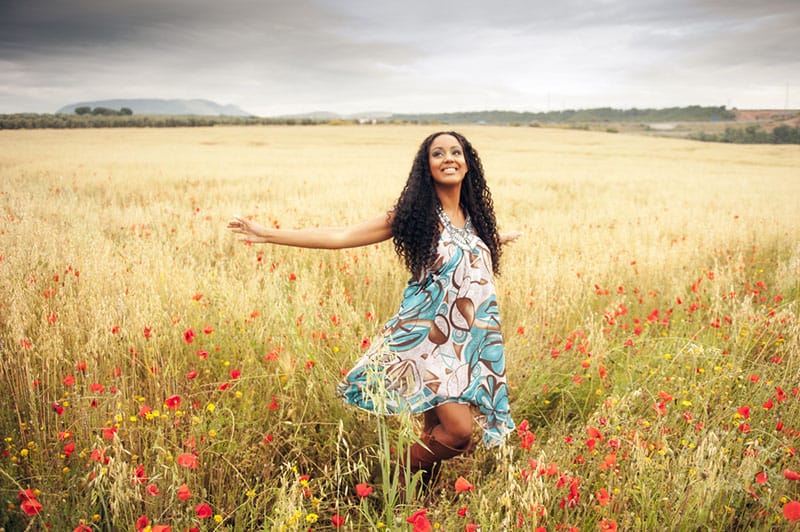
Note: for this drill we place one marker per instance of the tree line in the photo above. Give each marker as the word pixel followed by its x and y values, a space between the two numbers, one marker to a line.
pixel 103 111
pixel 782 134
pixel 118 119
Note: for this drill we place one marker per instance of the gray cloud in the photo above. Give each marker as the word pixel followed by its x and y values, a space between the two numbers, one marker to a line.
pixel 272 56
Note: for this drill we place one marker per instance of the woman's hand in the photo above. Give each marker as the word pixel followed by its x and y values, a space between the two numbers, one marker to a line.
pixel 511 236
pixel 250 231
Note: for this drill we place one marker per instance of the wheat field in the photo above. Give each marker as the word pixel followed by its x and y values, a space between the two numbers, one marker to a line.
pixel 159 374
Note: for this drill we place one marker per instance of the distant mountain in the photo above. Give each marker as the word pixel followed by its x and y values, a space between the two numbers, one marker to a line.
pixel 327 115
pixel 161 107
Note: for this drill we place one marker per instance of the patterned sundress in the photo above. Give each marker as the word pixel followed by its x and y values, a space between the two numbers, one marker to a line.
pixel 443 345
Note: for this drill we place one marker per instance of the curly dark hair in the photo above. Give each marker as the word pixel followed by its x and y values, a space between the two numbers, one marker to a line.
pixel 415 227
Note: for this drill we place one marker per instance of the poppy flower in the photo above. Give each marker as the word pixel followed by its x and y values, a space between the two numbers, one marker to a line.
pixel 81 528
pixel 152 490
pixel 142 523
pixel 173 402
pixel 337 520
pixel 420 522
pixel 761 478
pixel 31 506
pixel 608 525
pixel 188 335
pixel 362 490
pixel 274 404
pixel 69 380
pixel 184 493
pixel 203 511
pixel 791 510
pixel 603 496
pixel 791 475
pixel 187 460
pixel 463 484
pixel 69 449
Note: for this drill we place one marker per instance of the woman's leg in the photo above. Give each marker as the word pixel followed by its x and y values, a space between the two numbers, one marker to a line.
pixel 455 425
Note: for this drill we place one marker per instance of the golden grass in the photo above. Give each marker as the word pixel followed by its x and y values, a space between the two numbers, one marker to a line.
pixel 108 232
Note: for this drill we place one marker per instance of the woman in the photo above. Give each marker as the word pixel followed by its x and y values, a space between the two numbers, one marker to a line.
pixel 442 353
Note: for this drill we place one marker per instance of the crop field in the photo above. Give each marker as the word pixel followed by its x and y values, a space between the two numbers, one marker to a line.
pixel 158 374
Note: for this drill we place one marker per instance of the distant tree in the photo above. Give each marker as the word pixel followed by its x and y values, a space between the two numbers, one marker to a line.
pixel 83 110
pixel 125 111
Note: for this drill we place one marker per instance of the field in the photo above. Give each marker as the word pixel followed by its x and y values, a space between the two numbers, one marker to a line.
pixel 158 373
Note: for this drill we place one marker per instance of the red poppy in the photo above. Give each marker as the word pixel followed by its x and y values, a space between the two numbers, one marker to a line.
pixel 608 525
pixel 152 489
pixel 81 528
pixel 274 404
pixel 362 490
pixel 187 460
pixel 208 329
pixel 69 380
pixel 31 506
pixel 603 496
pixel 142 523
pixel 148 332
pixel 173 402
pixel 292 276
pixel 139 476
pixel 463 484
pixel 188 335
pixel 69 449
pixel 191 375
pixel 420 522
pixel 203 511
pixel 791 475
pixel 761 478
pixel 235 374
pixel 791 510
pixel 184 493
pixel 744 411
pixel 337 520
pixel 160 528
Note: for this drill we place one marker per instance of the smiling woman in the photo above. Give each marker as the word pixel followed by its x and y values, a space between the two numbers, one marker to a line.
pixel 442 352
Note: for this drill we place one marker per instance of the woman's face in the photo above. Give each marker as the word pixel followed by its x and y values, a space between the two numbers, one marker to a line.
pixel 447 162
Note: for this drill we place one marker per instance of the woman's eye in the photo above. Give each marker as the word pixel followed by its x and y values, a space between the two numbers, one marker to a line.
pixel 456 152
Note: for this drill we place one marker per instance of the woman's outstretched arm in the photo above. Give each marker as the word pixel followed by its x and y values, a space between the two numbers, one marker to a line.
pixel 364 233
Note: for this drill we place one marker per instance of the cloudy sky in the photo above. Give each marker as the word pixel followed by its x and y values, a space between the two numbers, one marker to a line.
pixel 273 57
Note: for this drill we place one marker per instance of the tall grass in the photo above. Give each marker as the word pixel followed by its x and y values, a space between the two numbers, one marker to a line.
pixel 156 372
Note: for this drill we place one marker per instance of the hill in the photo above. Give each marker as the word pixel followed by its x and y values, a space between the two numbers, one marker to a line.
pixel 161 107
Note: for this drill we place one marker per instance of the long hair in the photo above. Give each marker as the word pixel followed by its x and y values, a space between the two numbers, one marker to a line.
pixel 415 227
